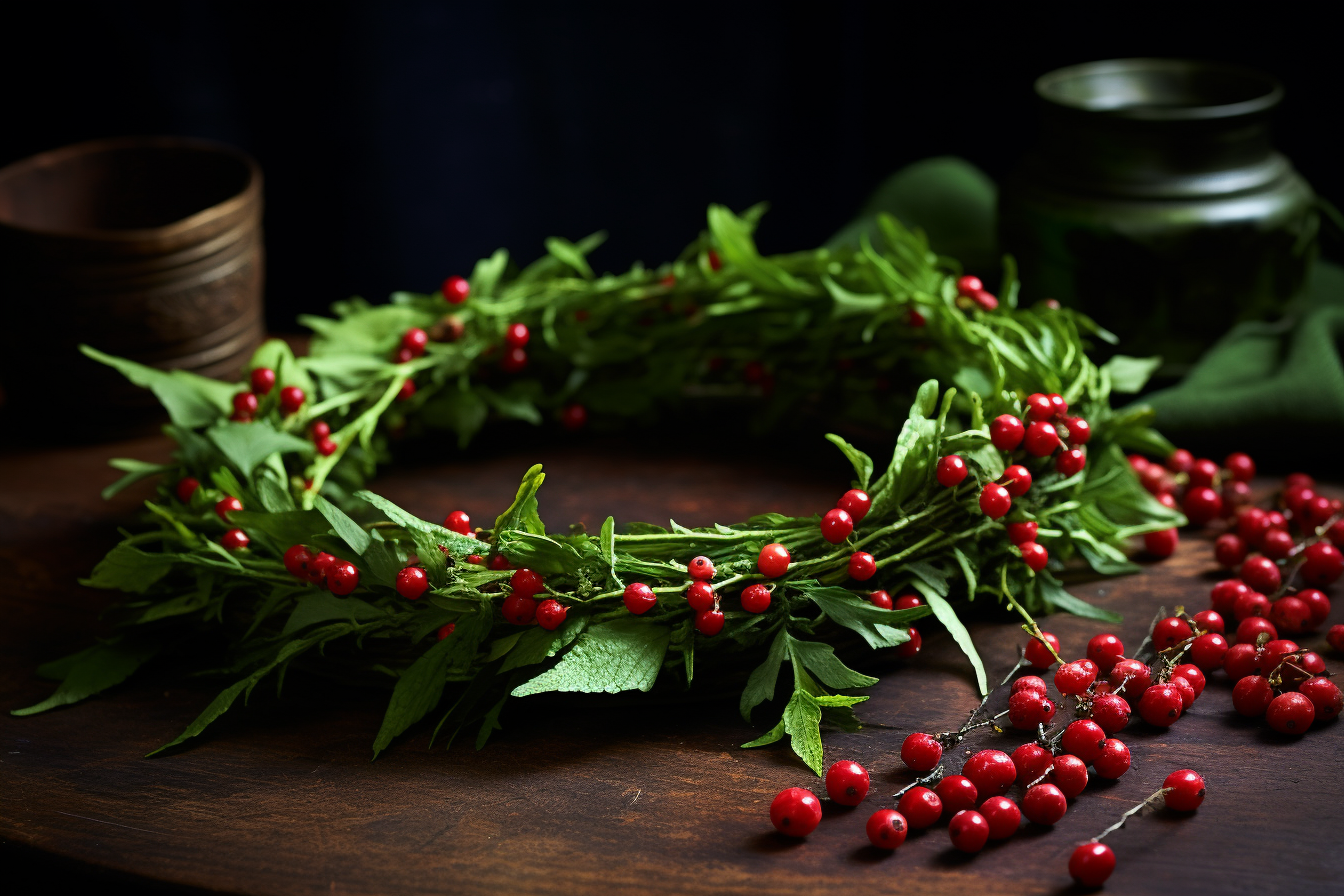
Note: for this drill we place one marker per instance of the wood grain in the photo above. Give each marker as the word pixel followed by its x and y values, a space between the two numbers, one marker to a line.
pixel 589 794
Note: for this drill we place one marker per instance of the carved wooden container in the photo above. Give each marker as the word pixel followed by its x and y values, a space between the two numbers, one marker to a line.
pixel 145 247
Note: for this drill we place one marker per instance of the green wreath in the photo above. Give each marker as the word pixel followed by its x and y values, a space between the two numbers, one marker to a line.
pixel 721 326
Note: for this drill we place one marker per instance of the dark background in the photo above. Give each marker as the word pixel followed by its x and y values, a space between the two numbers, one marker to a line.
pixel 403 140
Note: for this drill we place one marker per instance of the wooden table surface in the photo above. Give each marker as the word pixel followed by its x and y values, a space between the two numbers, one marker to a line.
pixel 589 794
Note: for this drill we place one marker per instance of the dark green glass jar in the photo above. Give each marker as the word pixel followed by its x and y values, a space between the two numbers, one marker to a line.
pixel 1155 202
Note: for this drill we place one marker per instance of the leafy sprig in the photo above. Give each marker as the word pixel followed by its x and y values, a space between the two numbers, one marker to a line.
pixel 836 329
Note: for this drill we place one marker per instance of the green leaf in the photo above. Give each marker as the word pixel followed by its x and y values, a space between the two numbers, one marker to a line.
pixel 820 660
pixel 849 304
pixel 802 722
pixel 287 528
pixel 879 627
pixel 607 539
pixel 276 354
pixel 1129 375
pixel 458 544
pixel 135 471
pixel 95 669
pixel 1052 591
pixel 948 617
pixel 863 464
pixel 622 655
pixel 351 532
pixel 485 276
pixel 569 254
pixel 461 410
pixel 512 404
pixel 191 400
pixel 128 568
pixel 322 607
pixel 537 645
pixel 522 513
pixel 248 444
pixel 274 496
pixel 418 690
pixel 769 737
pixel 761 685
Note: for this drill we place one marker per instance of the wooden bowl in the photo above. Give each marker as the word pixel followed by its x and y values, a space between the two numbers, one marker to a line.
pixel 144 247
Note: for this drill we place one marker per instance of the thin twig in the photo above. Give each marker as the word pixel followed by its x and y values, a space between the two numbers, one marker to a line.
pixel 932 777
pixel 1134 811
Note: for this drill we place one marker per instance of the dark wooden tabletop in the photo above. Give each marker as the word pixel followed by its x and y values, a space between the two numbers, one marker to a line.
pixel 587 794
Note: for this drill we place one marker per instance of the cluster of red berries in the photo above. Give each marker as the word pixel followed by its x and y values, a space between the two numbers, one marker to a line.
pixel 1048 431
pixel 338 576
pixel 233 539
pixel 261 381
pixel 1198 486
pixel 703 599
pixel 969 287
pixel 1314 554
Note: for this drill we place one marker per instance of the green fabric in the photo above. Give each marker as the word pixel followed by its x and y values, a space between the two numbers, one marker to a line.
pixel 1255 381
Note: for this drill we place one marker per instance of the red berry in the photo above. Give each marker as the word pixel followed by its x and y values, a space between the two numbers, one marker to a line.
pixel 1335 637
pixel 773 560
pixel 886 829
pixel 715 263
pixel 951 471
pixel 1277 544
pixel 1185 689
pixel 1317 603
pixel 1041 439
pixel 968 285
pixel 1057 402
pixel 245 404
pixel 414 341
pixel 836 525
pixel 1324 695
pixel 921 752
pixel 186 487
pixel 910 648
pixel 291 399
pixel 326 447
pixel 1336 533
pixel 1039 407
pixel 1252 524
pixel 319 430
pixel 262 380
pixel 969 830
pixel 1071 462
pixel 1006 432
pixel 701 568
pixel 957 793
pixel 318 566
pixel 1031 761
pixel 1072 679
pixel 1169 632
pixel 1250 604
pixel 1161 543
pixel 403 355
pixel 1111 712
pixel 986 300
pixel 412 582
pixel 1323 564
pixel 700 596
pixel 406 391
pixel 1034 555
pixel 1315 512
pixel 709 622
pixel 1134 675
pixel 1044 804
pixel 1038 656
pixel 1290 713
pixel 1138 463
pixel 1105 650
pixel 1202 505
pixel 1229 550
pixel 550 614
pixel 795 812
pixel 1240 467
pixel 297 559
pixel 639 598
pixel 1251 695
pixel 755 598
pixel 228 505
pixel 908 602
pixel 513 360
pixel 456 289
pixel 1242 660
pixel 1017 479
pixel 1289 615
pixel 1295 497
pixel 991 771
pixel 446 630
pixel 1209 621
pixel 1080 431
pixel 1083 738
pixel 856 503
pixel 1113 761
pixel 862 566
pixel 342 577
pixel 994 500
pixel 920 806
pixel 1161 705
pixel 516 335
pixel 519 609
pixel 1154 479
pixel 1029 683
pixel 1202 472
pixel 458 522
pixel 1091 864
pixel 1260 573
pixel 1180 461
pixel 1225 594
pixel 1002 816
pixel 573 417
pixel 1069 774
pixel 1274 652
pixel 234 540
pixel 525 582
pixel 1020 533
pixel 1208 651
pixel 880 599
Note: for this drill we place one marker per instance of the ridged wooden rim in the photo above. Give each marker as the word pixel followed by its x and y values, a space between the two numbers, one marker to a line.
pixel 249 195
